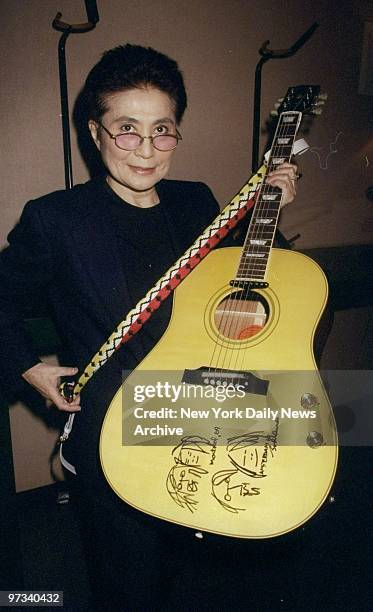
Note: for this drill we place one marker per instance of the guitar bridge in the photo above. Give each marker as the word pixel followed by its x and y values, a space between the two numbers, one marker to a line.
pixel 205 376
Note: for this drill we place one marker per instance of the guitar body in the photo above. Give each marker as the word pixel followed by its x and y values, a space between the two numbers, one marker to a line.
pixel 264 463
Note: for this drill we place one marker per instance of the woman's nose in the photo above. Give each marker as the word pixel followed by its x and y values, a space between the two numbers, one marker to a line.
pixel 145 149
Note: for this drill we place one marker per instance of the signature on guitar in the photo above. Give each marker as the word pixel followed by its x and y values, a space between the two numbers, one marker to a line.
pixel 248 455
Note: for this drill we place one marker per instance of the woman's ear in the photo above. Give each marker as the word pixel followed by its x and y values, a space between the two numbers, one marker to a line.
pixel 93 128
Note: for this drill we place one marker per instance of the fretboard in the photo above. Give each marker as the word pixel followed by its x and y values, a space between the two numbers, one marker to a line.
pixel 259 239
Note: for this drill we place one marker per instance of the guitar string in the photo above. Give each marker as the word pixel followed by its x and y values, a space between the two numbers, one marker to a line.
pixel 249 269
pixel 288 131
pixel 227 322
pixel 227 332
pixel 273 209
pixel 223 332
pixel 269 209
pixel 229 319
pixel 234 315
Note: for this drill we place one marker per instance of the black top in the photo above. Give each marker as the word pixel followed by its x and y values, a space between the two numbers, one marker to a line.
pixel 147 250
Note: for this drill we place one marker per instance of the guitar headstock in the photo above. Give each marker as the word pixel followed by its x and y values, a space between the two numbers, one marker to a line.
pixel 304 98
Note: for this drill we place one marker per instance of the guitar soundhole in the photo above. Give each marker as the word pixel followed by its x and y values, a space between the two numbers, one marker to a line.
pixel 241 315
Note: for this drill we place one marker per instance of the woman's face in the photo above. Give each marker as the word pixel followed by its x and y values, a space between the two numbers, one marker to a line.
pixel 134 174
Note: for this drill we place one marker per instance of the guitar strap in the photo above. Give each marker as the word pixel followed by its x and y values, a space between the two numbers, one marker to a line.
pixel 231 215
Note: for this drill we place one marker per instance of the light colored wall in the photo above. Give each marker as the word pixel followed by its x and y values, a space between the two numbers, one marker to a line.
pixel 216 44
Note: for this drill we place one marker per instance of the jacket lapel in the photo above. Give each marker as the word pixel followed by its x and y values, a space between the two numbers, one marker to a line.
pixel 102 268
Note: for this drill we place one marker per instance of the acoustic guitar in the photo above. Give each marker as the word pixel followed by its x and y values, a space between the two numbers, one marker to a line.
pixel 225 426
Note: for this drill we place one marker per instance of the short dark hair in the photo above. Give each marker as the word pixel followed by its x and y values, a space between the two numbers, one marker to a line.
pixel 132 66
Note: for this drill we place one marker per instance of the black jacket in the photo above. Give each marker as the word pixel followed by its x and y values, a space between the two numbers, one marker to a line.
pixel 63 251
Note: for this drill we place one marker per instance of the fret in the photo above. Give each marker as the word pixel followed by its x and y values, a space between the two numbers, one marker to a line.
pixel 269 197
pixel 254 259
pixel 256 251
pixel 263 221
pixel 254 264
pixel 283 149
pixel 260 264
pixel 266 211
pixel 277 146
pixel 264 216
pixel 255 254
pixel 268 215
pixel 272 204
pixel 256 242
pixel 288 131
pixel 251 261
pixel 259 236
pixel 264 231
pixel 264 207
pixel 252 277
pixel 260 267
pixel 253 271
pixel 263 249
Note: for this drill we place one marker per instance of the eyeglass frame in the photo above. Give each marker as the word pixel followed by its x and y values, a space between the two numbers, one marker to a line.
pixel 177 137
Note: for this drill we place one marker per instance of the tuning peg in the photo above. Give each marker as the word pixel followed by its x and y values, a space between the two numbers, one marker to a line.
pixel 280 99
pixel 323 96
pixel 317 111
pixel 274 113
pixel 277 105
pixel 320 103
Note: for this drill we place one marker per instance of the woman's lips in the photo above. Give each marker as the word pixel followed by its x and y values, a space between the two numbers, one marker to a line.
pixel 140 170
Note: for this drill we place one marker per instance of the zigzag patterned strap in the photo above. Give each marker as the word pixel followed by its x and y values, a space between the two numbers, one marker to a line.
pixel 135 319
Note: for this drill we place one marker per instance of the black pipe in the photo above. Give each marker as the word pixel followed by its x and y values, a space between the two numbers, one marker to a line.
pixel 67 29
pixel 268 54
pixel 92 12
pixel 256 115
pixel 65 111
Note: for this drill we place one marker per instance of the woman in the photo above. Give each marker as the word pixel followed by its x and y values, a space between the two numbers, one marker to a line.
pixel 94 251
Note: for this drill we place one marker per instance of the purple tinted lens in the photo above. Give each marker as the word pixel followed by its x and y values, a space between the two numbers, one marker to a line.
pixel 165 143
pixel 128 141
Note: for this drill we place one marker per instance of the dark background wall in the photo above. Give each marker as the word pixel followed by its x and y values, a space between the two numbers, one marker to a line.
pixel 216 43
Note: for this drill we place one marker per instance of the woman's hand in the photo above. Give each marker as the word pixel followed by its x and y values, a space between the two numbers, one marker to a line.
pixel 45 379
pixel 285 177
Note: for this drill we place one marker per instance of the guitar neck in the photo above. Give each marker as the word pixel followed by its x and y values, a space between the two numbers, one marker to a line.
pixel 259 239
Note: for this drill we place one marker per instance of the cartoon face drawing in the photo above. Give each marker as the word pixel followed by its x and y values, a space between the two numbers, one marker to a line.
pixel 193 450
pixel 251 452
